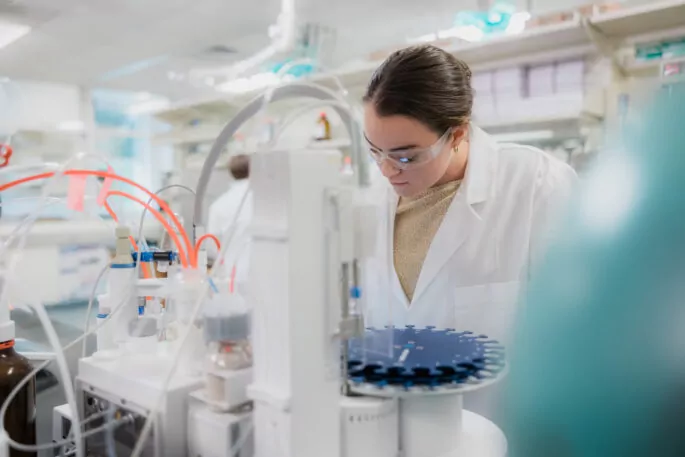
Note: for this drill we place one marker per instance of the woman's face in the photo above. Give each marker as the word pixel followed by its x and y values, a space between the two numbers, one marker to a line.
pixel 402 135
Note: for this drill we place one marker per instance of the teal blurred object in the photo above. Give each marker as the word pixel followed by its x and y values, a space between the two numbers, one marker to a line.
pixel 491 22
pixel 599 368
pixel 297 70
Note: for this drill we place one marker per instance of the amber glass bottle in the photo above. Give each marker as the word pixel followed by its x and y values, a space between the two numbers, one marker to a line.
pixel 20 421
pixel 324 133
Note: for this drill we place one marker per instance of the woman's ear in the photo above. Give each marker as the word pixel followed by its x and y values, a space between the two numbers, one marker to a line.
pixel 459 134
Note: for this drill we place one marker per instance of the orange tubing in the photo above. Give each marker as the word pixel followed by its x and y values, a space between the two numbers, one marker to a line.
pixel 146 268
pixel 160 218
pixel 207 236
pixel 104 174
pixel 5 154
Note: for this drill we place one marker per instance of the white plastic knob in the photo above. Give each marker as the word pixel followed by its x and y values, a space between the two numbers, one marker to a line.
pixel 122 231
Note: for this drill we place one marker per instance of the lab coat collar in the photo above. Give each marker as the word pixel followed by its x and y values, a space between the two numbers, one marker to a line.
pixel 463 215
pixel 482 163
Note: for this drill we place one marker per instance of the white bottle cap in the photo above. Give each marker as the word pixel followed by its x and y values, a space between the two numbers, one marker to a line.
pixel 7 332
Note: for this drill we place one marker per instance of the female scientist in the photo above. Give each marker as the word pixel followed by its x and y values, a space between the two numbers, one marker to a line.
pixel 468 216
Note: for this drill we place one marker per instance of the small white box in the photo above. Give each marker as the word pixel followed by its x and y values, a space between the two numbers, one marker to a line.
pixel 214 434
pixel 570 75
pixel 61 422
pixel 225 390
pixel 510 82
pixel 541 81
pixel 134 383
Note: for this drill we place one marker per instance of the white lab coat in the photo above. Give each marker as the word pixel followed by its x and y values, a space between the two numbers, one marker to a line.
pixel 496 226
pixel 221 215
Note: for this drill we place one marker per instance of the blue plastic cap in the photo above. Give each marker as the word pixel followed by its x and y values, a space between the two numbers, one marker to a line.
pixel 355 292
pixel 149 256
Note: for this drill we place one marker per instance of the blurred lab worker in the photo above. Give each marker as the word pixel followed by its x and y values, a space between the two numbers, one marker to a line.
pixel 221 215
pixel 467 216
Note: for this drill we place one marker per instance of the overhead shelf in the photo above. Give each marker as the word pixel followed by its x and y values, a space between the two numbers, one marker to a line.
pixel 545 121
pixel 640 20
pixel 340 143
pixel 537 120
pixel 536 45
pixel 547 40
pixel 185 112
pixel 188 135
pixel 52 133
pixel 537 40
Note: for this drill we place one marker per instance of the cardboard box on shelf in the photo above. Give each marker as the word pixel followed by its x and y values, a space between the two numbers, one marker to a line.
pixel 550 19
pixel 609 7
pixel 588 10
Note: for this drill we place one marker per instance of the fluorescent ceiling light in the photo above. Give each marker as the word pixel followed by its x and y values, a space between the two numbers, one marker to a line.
pixel 10 32
pixel 524 136
pixel 71 126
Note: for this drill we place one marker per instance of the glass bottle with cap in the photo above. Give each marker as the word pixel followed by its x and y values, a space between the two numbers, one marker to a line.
pixel 227 329
pixel 20 419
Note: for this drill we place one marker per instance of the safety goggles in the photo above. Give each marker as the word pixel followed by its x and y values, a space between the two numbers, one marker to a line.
pixel 412 157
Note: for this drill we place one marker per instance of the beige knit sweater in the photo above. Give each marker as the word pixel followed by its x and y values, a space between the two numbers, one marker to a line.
pixel 416 222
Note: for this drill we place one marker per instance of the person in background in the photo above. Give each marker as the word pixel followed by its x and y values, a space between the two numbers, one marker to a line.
pixel 221 215
pixel 467 216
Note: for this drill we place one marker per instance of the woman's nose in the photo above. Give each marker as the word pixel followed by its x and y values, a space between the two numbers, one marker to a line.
pixel 387 169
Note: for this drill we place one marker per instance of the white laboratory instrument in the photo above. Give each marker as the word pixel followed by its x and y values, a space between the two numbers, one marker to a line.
pixel 217 375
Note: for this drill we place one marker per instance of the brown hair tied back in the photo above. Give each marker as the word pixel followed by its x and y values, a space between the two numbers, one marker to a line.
pixel 425 83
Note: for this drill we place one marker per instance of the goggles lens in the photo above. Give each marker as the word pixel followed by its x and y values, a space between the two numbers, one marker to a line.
pixel 408 158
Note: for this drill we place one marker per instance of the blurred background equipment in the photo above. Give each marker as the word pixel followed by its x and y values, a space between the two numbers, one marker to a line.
pixel 600 364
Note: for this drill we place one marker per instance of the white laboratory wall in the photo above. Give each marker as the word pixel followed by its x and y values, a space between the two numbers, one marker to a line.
pixel 38 106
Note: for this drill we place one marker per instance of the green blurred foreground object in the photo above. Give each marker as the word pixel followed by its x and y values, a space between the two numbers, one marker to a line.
pixel 599 369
